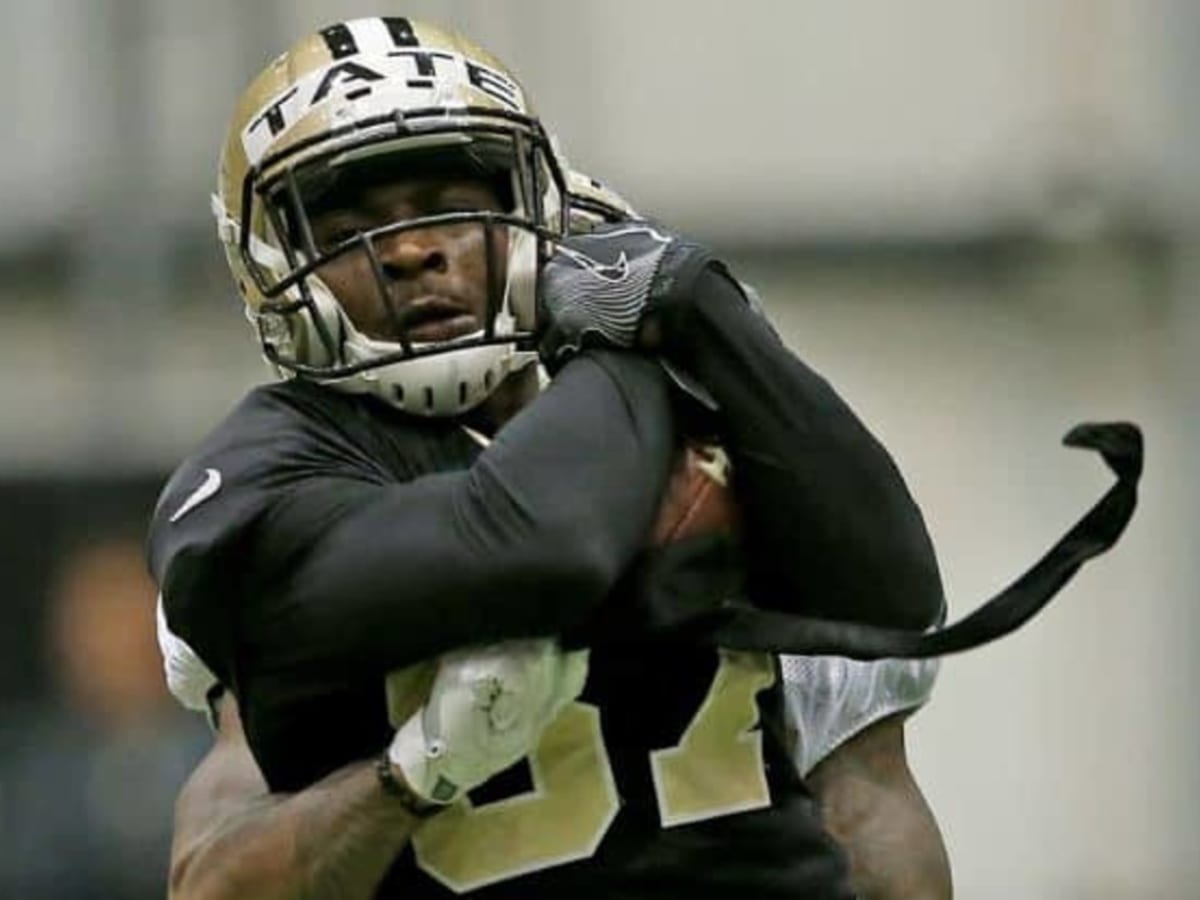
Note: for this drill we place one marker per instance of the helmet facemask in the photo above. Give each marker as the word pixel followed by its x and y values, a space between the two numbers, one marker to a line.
pixel 303 328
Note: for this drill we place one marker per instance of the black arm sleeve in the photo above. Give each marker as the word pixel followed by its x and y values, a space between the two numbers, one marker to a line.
pixel 831 529
pixel 349 578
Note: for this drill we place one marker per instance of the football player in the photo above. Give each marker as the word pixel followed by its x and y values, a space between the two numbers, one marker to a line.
pixel 398 222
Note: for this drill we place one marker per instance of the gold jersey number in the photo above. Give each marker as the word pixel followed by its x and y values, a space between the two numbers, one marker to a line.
pixel 716 769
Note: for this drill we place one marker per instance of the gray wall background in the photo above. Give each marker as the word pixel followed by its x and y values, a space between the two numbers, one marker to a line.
pixel 978 217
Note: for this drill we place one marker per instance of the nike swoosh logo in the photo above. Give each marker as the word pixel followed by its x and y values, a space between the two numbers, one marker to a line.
pixel 210 485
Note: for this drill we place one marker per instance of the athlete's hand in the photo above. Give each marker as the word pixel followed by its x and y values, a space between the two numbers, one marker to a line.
pixel 597 288
pixel 486 710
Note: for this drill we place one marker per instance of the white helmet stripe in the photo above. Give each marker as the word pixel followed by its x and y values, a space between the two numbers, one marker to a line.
pixel 373 36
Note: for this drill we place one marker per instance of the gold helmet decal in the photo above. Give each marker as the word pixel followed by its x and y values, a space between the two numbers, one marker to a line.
pixel 364 91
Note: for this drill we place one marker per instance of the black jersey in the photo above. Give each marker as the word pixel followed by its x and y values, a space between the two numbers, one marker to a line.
pixel 317 541
pixel 669 776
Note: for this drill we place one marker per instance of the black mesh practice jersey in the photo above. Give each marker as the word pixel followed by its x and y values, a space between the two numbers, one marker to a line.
pixel 317 541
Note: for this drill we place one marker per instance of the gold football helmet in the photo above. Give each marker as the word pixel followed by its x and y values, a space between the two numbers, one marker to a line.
pixel 398 92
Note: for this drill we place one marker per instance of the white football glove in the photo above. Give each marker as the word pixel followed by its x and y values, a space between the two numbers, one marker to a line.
pixel 486 709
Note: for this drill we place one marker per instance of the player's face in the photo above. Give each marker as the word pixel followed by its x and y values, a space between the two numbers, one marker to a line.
pixel 436 279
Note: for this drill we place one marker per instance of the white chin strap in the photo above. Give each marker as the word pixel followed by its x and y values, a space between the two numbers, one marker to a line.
pixel 448 383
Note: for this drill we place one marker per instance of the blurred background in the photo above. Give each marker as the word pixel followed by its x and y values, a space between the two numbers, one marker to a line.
pixel 979 218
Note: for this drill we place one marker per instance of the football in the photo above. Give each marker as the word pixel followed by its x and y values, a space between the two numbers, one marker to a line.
pixel 698 499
